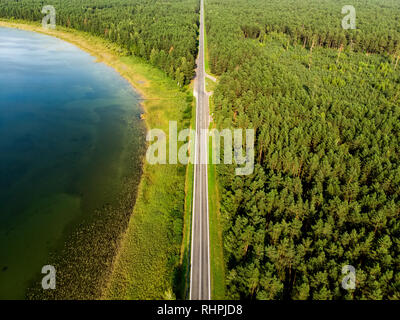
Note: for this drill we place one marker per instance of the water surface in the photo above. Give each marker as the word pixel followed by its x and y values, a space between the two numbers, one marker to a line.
pixel 70 138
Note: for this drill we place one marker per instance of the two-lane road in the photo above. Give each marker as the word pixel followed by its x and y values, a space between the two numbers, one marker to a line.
pixel 200 250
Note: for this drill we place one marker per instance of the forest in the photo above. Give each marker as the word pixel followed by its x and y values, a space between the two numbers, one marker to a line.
pixel 324 103
pixel 162 32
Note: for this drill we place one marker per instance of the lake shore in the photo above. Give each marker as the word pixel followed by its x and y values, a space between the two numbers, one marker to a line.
pixel 104 51
pixel 147 259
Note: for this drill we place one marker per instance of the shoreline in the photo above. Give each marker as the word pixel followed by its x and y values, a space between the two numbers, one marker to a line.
pixel 104 52
pixel 161 101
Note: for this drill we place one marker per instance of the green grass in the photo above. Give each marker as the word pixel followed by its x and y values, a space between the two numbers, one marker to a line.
pixel 152 263
pixel 217 265
pixel 210 85
pixel 186 243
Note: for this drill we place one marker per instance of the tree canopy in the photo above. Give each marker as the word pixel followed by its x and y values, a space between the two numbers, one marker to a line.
pixel 324 103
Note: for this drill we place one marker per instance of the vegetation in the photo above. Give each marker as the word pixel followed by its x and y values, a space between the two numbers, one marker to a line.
pixel 187 230
pixel 217 265
pixel 324 103
pixel 149 264
pixel 308 23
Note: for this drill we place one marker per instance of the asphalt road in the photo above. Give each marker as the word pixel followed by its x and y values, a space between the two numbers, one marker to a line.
pixel 200 250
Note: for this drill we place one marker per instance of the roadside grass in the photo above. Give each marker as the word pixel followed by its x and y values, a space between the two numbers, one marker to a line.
pixel 152 261
pixel 210 85
pixel 217 267
pixel 187 229
pixel 149 263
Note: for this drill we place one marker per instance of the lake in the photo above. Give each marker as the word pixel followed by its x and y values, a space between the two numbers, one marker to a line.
pixel 71 148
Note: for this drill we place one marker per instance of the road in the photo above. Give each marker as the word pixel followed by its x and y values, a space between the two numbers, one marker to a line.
pixel 200 250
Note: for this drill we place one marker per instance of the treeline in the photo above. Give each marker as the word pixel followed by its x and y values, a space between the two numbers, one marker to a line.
pixel 163 32
pixel 325 190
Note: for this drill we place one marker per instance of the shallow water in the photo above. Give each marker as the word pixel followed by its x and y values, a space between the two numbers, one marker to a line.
pixel 65 126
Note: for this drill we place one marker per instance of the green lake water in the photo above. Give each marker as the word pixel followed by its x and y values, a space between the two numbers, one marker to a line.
pixel 71 138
